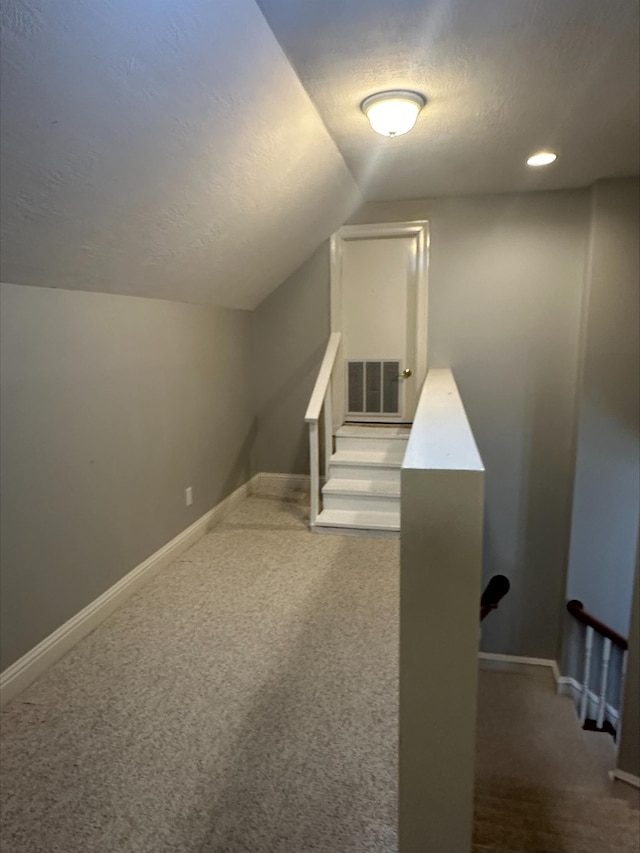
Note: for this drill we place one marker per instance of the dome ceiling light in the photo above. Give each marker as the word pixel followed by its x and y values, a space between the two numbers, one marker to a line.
pixel 541 158
pixel 393 113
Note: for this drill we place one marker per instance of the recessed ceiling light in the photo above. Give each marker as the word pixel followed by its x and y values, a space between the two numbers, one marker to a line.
pixel 541 158
pixel 393 113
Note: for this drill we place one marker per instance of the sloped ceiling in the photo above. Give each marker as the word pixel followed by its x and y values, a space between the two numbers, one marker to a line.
pixel 161 148
pixel 168 148
pixel 503 78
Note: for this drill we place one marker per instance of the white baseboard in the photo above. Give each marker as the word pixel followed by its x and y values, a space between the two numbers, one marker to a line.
pixel 623 776
pixel 30 666
pixel 504 661
pixel 567 686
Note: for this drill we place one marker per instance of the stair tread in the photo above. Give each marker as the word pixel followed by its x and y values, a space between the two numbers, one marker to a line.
pixel 559 802
pixel 570 821
pixel 367 457
pixel 557 846
pixel 510 816
pixel 572 837
pixel 400 433
pixel 360 519
pixel 517 790
pixel 377 488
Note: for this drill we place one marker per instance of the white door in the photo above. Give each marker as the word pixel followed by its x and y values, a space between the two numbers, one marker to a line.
pixel 379 304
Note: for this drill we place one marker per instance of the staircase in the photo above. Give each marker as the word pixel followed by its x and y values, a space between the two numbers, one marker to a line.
pixel 362 492
pixel 512 817
pixel 542 783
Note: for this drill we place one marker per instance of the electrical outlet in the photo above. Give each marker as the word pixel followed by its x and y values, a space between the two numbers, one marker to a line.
pixel 188 495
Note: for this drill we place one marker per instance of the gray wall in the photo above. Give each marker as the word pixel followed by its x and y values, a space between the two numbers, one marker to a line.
pixel 606 499
pixel 289 333
pixel 111 406
pixel 505 290
pixel 629 748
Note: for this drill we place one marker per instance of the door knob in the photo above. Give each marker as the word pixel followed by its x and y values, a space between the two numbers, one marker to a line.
pixel 406 373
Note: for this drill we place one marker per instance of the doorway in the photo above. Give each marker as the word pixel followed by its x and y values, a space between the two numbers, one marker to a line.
pixel 379 304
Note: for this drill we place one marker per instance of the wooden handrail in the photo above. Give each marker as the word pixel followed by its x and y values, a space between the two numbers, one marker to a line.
pixel 576 609
pixel 322 382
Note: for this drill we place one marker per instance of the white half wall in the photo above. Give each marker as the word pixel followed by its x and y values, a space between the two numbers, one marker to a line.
pixel 440 567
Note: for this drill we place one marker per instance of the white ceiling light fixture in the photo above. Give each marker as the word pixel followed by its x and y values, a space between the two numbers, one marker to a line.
pixel 542 158
pixel 393 113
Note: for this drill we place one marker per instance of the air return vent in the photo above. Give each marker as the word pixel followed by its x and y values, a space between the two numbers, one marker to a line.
pixel 373 388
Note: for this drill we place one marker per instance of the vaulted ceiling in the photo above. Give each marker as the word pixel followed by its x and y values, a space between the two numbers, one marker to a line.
pixel 162 148
pixel 179 149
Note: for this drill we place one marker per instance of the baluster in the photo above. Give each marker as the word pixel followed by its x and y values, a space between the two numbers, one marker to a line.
pixel 328 428
pixel 588 648
pixel 602 700
pixel 314 451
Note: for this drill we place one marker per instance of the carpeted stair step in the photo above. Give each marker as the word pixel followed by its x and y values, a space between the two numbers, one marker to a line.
pixel 557 802
pixel 542 828
pixel 576 839
pixel 562 820
pixel 559 846
pixel 484 848
pixel 514 817
pixel 511 788
pixel 577 808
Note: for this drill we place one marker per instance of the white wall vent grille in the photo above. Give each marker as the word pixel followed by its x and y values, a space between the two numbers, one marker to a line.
pixel 373 388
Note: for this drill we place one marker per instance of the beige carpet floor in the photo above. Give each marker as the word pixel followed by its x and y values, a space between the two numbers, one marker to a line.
pixel 245 701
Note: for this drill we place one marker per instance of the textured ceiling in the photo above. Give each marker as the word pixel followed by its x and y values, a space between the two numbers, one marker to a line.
pixel 503 78
pixel 167 148
pixel 162 148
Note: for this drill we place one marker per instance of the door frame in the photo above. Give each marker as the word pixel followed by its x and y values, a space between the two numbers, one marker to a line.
pixel 419 230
